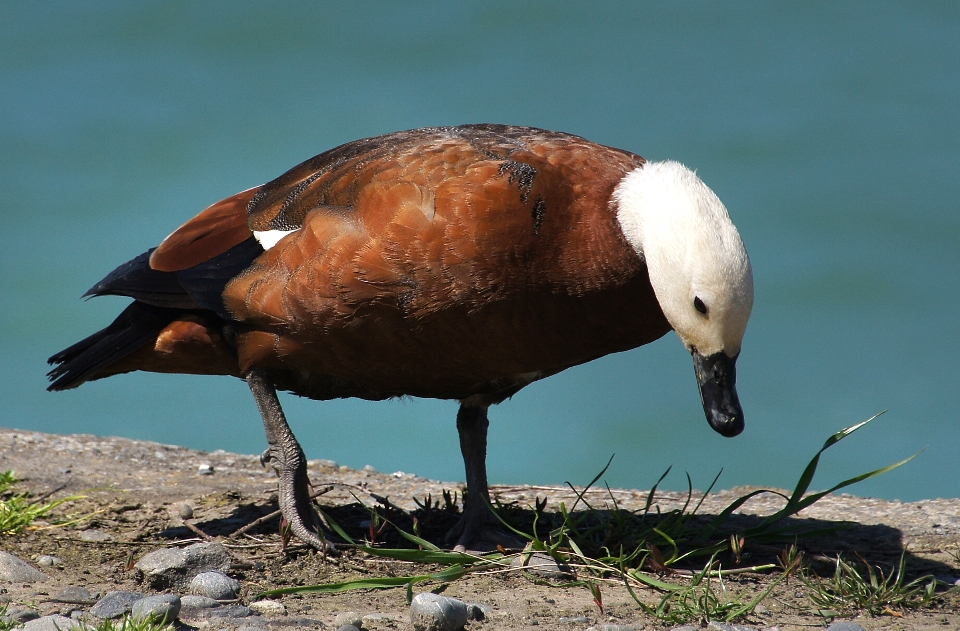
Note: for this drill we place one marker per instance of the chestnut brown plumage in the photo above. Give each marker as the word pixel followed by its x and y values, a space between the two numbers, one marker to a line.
pixel 455 263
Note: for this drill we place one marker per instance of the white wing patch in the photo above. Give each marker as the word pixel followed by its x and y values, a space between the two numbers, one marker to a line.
pixel 269 238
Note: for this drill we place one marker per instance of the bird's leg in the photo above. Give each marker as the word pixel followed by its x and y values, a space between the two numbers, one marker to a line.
pixel 288 461
pixel 479 528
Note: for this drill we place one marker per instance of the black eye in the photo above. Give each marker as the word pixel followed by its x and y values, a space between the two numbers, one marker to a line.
pixel 698 304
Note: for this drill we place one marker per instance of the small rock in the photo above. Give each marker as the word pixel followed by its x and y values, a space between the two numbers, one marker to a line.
pixel 162 608
pixel 173 567
pixel 346 618
pixel 45 560
pixel 76 595
pixel 617 627
pixel 95 536
pixel 348 627
pixel 115 604
pixel 269 608
pixel 192 601
pixel 845 626
pixel 205 469
pixel 541 565
pixel 185 511
pixel 761 609
pixel 575 620
pixel 723 626
pixel 432 612
pixel 53 623
pixel 16 570
pixel 478 612
pixel 19 615
pixel 686 627
pixel 215 585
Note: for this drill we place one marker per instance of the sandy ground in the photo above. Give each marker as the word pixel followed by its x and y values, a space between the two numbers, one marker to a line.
pixel 136 491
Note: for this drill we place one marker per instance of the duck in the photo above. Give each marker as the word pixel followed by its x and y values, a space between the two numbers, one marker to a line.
pixel 461 262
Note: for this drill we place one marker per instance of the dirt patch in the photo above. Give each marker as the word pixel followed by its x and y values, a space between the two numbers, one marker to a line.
pixel 137 492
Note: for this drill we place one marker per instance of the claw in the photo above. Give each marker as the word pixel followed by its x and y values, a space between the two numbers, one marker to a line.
pixel 288 460
pixel 266 457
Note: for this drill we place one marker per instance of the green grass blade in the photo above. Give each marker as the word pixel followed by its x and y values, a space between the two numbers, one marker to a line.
pixel 425 556
pixel 335 526
pixel 718 521
pixel 412 538
pixel 386 582
pixel 653 491
pixel 804 483
pixel 587 488
pixel 706 493
pixel 795 506
pixel 652 582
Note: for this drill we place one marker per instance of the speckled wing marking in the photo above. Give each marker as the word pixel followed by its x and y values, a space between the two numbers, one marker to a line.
pixel 338 173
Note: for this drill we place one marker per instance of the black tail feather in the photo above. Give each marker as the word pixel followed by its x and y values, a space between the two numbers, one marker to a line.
pixel 160 298
pixel 137 325
pixel 139 281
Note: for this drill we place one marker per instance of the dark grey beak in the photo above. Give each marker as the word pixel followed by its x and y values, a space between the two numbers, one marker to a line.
pixel 717 378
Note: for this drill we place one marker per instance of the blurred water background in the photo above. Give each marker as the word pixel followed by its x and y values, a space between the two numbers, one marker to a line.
pixel 830 130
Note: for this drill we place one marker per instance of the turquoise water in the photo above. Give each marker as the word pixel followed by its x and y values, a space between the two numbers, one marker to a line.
pixel 830 130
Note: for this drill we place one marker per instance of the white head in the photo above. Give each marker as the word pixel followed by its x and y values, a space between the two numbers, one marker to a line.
pixel 699 271
pixel 697 264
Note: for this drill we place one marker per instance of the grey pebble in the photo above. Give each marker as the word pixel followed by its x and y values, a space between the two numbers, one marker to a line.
pixel 348 627
pixel 723 626
pixel 575 620
pixel 53 623
pixel 215 585
pixel 845 626
pixel 76 595
pixel 185 511
pixel 16 570
pixel 19 615
pixel 162 608
pixel 95 536
pixel 686 627
pixel 115 604
pixel 45 560
pixel 432 612
pixel 478 612
pixel 173 567
pixel 617 627
pixel 192 601
pixel 348 618
pixel 205 469
pixel 269 608
pixel 541 565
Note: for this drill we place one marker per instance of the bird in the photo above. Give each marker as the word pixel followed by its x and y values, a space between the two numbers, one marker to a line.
pixel 460 263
